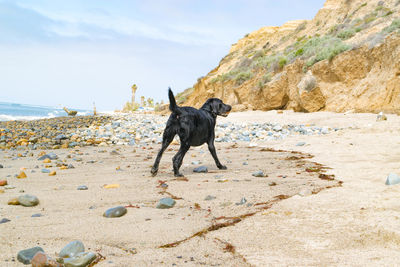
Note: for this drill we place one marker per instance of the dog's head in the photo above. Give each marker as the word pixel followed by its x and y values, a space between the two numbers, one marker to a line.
pixel 216 107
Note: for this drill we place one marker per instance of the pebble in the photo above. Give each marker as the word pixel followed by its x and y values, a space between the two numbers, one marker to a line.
pixel 115 212
pixel 242 201
pixel 258 174
pixel 245 163
pixel 381 117
pixel 4 220
pixel 300 143
pixel 28 200
pixel 70 166
pixel 203 169
pixel 210 197
pixel 1 166
pixel 166 203
pixel 392 179
pixel 21 175
pixel 45 171
pixel 196 162
pixel 42 260
pixel 36 215
pixel 3 182
pixel 25 256
pixel 82 187
pixel 52 173
pixel 9 187
pixel 13 201
pixel 72 249
pixel 80 260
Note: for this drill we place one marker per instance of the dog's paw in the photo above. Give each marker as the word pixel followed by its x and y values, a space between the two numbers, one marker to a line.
pixel 154 171
pixel 178 174
pixel 222 167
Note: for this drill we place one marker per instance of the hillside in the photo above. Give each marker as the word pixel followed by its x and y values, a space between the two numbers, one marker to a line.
pixel 346 58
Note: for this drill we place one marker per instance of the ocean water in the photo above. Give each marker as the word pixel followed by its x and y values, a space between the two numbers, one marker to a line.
pixel 14 111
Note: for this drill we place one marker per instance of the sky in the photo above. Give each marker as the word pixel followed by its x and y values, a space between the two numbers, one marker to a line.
pixel 75 53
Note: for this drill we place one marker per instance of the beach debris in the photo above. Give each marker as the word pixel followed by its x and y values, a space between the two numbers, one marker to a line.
pixel 210 197
pixel 392 179
pixel 4 220
pixel 82 187
pixel 115 212
pixel 21 175
pixel 72 249
pixel 28 200
pixel 300 143
pixel 80 260
pixel 25 256
pixel 166 203
pixel 381 116
pixel 3 182
pixel 13 201
pixel 70 112
pixel 259 173
pixel 201 169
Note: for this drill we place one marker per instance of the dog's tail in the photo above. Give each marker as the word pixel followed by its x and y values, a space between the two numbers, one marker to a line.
pixel 172 103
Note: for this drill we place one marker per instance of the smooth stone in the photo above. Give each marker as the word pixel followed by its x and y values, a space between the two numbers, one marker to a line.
pixel 203 169
pixel 80 260
pixel 45 171
pixel 115 212
pixel 82 187
pixel 3 182
pixel 196 162
pixel 28 200
pixel 25 256
pixel 242 201
pixel 36 215
pixel 9 187
pixel 13 201
pixel 210 197
pixel 165 203
pixel 42 260
pixel 4 220
pixel 392 179
pixel 258 174
pixel 72 249
pixel 300 143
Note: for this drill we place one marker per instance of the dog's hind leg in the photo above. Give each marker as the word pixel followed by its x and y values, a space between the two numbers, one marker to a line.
pixel 168 136
pixel 211 147
pixel 178 158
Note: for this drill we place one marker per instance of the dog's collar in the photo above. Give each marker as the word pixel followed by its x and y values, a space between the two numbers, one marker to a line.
pixel 210 111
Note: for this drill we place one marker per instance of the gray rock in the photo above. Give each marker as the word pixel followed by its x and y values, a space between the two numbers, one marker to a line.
pixel 210 197
pixel 70 166
pixel 28 200
pixel 45 171
pixel 165 203
pixel 300 143
pixel 392 179
pixel 25 256
pixel 245 163
pixel 80 260
pixel 36 215
pixel 115 212
pixel 196 162
pixel 258 174
pixel 242 201
pixel 72 249
pixel 1 166
pixel 277 128
pixel 82 187
pixel 201 169
pixel 50 155
pixel 4 220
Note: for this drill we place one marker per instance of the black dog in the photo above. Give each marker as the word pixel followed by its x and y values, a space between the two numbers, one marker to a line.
pixel 194 128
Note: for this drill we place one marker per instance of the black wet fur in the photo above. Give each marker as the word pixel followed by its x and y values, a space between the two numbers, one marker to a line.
pixel 194 128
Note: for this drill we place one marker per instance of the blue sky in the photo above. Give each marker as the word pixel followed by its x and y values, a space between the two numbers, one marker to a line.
pixel 73 52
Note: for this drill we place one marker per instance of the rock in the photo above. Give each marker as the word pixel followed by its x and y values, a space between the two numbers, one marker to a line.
pixel 115 212
pixel 108 186
pixel 300 143
pixel 3 182
pixel 52 173
pixel 21 175
pixel 166 203
pixel 258 174
pixel 36 215
pixel 70 166
pixel 47 160
pixel 25 256
pixel 210 197
pixel 381 117
pixel 271 183
pixel 4 220
pixel 310 96
pixel 203 169
pixel 45 171
pixel 1 166
pixel 196 162
pixel 242 201
pixel 82 187
pixel 80 260
pixel 13 201
pixel 277 128
pixel 72 249
pixel 245 163
pixel 28 200
pixel 392 179
pixel 42 260
pixel 9 187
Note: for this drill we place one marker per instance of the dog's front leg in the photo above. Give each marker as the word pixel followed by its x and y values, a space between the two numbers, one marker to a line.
pixel 211 147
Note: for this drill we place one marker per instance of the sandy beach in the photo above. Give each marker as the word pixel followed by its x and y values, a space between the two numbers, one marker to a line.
pixel 324 203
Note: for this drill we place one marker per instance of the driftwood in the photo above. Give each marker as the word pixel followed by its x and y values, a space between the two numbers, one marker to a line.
pixel 70 112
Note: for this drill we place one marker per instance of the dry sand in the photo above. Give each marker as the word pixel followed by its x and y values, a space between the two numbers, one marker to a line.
pixel 355 224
